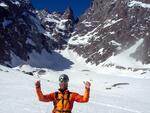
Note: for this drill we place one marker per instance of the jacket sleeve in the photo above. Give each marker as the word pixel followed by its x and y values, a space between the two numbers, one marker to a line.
pixel 44 98
pixel 82 98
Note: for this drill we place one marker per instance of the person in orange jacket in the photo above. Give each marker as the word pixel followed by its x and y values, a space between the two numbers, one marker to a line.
pixel 63 99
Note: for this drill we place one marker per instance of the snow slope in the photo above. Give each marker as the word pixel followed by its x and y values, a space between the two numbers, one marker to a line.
pixel 111 92
pixel 124 58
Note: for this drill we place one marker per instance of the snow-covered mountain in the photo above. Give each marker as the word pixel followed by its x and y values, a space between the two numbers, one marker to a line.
pixel 26 32
pixel 107 32
pixel 59 26
pixel 111 27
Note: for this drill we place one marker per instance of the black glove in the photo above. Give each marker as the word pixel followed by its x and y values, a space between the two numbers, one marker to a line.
pixel 38 84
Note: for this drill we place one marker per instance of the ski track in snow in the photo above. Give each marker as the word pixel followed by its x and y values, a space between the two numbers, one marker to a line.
pixel 115 107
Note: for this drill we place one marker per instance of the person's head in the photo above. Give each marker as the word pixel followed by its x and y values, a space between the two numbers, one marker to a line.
pixel 63 81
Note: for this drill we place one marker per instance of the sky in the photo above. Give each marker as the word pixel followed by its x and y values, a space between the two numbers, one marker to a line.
pixel 78 6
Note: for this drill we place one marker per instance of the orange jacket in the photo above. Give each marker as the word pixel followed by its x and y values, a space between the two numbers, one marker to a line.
pixel 67 103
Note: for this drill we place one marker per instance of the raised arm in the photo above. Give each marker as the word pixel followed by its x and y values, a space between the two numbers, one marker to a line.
pixel 85 97
pixel 41 96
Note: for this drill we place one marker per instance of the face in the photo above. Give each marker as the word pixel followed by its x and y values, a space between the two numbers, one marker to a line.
pixel 63 85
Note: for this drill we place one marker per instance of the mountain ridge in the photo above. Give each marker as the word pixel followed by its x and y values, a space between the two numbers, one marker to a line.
pixel 23 30
pixel 110 27
pixel 106 30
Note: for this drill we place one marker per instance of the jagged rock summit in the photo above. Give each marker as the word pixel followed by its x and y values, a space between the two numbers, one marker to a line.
pixel 108 30
pixel 111 27
pixel 25 30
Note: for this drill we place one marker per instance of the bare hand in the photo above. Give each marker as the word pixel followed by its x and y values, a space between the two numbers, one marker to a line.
pixel 38 84
pixel 87 84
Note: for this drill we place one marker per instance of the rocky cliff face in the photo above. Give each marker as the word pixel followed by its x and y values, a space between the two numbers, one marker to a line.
pixel 24 30
pixel 58 25
pixel 110 27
